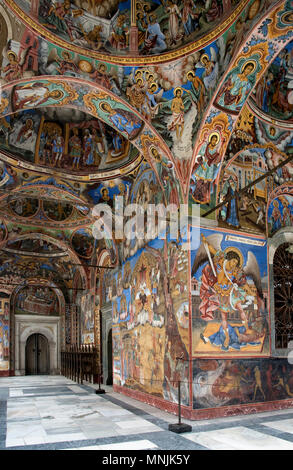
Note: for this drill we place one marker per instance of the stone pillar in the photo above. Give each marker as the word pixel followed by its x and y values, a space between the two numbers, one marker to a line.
pixel 34 8
pixel 133 40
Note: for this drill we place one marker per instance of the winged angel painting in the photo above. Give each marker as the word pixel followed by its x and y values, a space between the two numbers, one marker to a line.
pixel 230 308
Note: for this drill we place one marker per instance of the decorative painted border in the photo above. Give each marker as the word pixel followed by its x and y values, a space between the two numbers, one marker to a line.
pixel 129 60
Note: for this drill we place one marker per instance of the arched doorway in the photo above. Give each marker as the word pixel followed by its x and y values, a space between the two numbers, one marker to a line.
pixel 110 359
pixel 37 355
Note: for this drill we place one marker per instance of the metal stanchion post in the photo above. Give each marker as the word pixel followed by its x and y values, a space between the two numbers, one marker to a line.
pixel 179 427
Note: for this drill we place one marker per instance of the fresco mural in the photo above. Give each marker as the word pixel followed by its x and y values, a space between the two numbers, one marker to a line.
pixel 83 242
pixel 17 266
pixel 274 95
pixel 100 26
pixel 243 381
pixel 38 246
pixel 64 139
pixel 229 278
pixel 33 300
pixel 88 318
pixel 280 213
pixel 27 207
pixel 4 332
pixel 148 333
pixel 245 211
pixel 107 26
pixel 252 131
pixel 238 85
pixel 57 211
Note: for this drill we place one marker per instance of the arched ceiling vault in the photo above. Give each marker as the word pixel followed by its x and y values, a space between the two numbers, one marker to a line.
pixel 74 93
pixel 272 33
pixel 219 23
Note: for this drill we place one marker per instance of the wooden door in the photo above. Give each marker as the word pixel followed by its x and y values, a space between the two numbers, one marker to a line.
pixel 37 355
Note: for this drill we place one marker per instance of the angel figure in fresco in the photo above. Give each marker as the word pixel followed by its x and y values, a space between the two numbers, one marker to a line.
pixel 211 69
pixel 224 287
pixel 236 88
pixel 206 169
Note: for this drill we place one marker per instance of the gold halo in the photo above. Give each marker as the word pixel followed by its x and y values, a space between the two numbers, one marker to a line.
pixel 204 56
pixel 252 62
pixel 175 90
pixel 85 66
pixel 229 249
pixel 156 85
pixel 12 53
pixel 214 134
pixel 192 73
pixel 103 189
pixel 101 106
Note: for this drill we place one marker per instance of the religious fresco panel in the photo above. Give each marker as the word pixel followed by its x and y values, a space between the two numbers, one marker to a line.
pixel 245 211
pixel 222 382
pixel 280 213
pixel 65 139
pixel 83 242
pixel 87 308
pixel 229 294
pixel 149 332
pixel 34 300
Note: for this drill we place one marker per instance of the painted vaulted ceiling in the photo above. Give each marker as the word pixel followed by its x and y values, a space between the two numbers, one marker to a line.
pixel 97 94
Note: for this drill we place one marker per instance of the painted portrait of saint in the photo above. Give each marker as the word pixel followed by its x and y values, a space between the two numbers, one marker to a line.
pixel 236 88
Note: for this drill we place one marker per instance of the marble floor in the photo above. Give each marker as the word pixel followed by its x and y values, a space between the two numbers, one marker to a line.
pixel 55 413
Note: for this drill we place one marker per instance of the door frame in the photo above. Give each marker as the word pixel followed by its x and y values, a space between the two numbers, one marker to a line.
pixel 27 325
